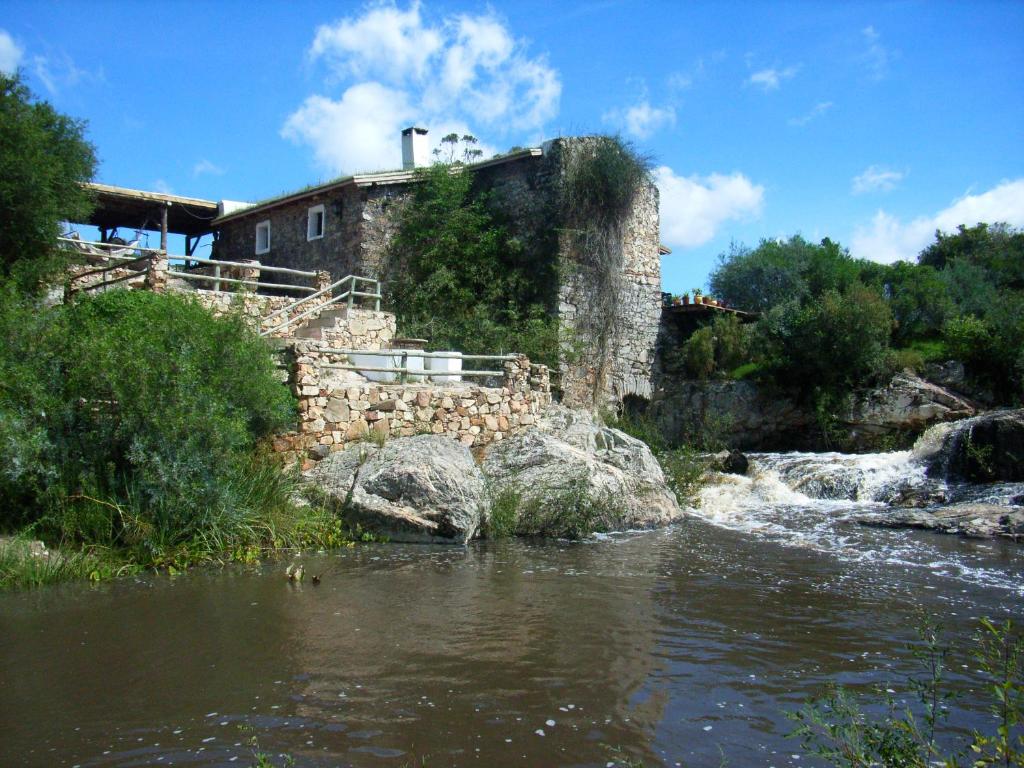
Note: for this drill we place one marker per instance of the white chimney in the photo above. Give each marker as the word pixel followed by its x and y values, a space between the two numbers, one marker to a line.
pixel 415 151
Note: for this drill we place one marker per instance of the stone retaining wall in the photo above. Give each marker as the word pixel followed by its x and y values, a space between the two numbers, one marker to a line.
pixel 335 413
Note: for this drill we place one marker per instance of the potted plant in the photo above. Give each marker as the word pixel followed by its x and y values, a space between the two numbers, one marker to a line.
pixel 697 297
pixel 676 300
pixel 686 299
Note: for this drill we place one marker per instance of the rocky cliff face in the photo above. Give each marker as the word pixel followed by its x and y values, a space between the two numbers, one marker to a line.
pixel 743 415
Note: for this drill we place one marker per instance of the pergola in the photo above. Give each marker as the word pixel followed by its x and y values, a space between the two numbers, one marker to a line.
pixel 154 211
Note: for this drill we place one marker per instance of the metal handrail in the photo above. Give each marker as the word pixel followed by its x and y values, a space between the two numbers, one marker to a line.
pixel 348 295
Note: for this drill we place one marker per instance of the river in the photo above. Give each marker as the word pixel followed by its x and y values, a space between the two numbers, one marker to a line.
pixel 673 647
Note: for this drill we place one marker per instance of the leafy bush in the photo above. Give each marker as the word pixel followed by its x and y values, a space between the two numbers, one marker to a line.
pixel 134 417
pixel 834 344
pixel 456 277
pixel 699 353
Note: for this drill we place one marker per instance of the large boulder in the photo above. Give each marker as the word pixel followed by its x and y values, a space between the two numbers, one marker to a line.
pixel 907 403
pixel 425 488
pixel 574 465
pixel 986 448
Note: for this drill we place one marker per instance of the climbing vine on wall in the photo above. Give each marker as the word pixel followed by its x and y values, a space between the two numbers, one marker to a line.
pixel 601 177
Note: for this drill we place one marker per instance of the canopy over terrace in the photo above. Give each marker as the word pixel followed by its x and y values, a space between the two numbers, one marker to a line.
pixel 154 211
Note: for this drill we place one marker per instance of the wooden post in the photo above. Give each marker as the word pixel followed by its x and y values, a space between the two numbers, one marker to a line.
pixel 163 228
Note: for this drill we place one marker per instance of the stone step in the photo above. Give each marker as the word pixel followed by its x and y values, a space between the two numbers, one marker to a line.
pixel 309 333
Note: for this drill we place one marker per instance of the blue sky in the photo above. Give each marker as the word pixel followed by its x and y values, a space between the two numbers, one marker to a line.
pixel 871 123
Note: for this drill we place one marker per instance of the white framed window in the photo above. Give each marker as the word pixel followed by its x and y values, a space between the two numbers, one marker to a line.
pixel 315 223
pixel 263 237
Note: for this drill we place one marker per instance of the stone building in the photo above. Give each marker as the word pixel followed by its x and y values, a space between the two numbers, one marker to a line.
pixel 609 322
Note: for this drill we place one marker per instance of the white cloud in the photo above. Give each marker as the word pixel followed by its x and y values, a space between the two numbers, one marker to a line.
pixel 161 186
pixel 10 53
pixel 770 79
pixel 876 178
pixel 876 56
pixel 358 132
pixel 694 207
pixel 641 120
pixel 816 111
pixel 384 43
pixel 398 68
pixel 58 70
pixel 887 239
pixel 205 166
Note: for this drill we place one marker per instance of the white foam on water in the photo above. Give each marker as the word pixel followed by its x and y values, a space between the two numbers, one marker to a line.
pixel 813 500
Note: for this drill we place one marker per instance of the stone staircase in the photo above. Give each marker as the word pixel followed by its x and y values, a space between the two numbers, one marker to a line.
pixel 348 327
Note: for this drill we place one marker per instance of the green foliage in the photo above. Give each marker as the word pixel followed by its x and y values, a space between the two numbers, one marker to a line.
pixel 500 522
pixel 839 730
pixel 699 353
pixel 602 177
pixel 133 418
pixel 919 301
pixel 44 157
pixel 455 276
pixel 834 344
pixel 21 568
pixel 996 249
pixel 572 512
pixel 778 271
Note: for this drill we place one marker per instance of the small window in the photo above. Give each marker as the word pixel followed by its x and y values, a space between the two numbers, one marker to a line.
pixel 263 237
pixel 315 223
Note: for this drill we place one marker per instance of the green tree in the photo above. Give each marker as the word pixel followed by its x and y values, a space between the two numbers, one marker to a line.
pixel 779 270
pixel 919 300
pixel 833 344
pixel 998 249
pixel 44 158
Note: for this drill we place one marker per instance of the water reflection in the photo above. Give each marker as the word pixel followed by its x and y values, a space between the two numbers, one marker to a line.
pixel 668 646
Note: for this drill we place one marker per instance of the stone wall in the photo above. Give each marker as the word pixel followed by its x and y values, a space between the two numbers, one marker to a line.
pixel 523 192
pixel 333 413
pixel 337 252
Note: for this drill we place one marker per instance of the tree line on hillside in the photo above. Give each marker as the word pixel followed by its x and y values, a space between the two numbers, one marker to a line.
pixel 830 324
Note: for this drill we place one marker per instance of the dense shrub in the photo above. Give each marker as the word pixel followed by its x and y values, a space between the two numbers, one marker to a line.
pixel 455 276
pixel 835 344
pixel 133 417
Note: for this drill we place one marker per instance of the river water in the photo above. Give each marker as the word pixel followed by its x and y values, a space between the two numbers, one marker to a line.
pixel 673 647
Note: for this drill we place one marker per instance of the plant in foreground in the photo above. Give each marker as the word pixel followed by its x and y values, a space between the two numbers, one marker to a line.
pixel 838 728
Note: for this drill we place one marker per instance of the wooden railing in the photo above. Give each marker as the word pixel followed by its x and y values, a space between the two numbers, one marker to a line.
pixel 150 258
pixel 216 278
pixel 306 307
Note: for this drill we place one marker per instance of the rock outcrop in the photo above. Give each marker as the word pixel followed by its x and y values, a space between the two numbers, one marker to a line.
pixel 907 403
pixel 983 449
pixel 424 488
pixel 971 520
pixel 569 453
pixel 745 416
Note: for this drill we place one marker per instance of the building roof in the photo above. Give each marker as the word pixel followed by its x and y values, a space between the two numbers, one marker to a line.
pixel 137 209
pixel 363 180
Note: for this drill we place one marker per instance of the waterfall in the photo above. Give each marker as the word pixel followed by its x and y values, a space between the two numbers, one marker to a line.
pixel 818 500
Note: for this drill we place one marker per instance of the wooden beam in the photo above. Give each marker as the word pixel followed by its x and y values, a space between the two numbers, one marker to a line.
pixel 163 227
